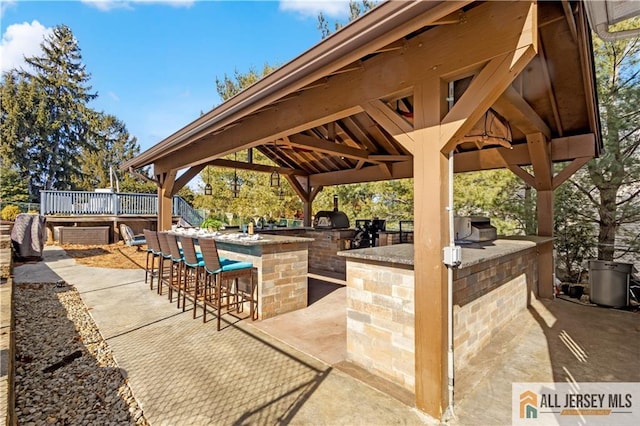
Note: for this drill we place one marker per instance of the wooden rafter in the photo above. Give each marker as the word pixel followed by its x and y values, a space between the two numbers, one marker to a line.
pixel 393 123
pixel 186 177
pixel 520 114
pixel 523 174
pixel 569 170
pixel 230 164
pixel 566 7
pixel 318 145
pixel 342 97
pixel 549 85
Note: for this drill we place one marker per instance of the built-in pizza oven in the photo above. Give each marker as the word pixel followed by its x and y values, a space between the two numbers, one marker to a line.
pixel 335 219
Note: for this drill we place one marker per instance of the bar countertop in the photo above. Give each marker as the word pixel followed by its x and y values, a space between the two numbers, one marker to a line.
pixel 247 240
pixel 473 253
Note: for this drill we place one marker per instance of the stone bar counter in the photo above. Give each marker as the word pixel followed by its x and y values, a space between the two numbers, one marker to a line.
pixel 323 250
pixel 490 287
pixel 282 266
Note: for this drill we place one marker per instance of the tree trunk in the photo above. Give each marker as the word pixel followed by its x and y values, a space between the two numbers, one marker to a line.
pixel 608 224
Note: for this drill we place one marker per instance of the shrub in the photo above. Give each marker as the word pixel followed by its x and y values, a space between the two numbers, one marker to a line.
pixel 10 212
pixel 211 223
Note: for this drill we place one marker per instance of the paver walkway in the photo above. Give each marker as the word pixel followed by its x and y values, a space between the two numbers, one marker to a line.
pixel 184 372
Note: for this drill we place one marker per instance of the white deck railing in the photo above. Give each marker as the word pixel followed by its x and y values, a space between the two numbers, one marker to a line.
pixel 79 203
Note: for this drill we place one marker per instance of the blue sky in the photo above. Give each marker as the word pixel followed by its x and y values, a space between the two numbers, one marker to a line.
pixel 154 63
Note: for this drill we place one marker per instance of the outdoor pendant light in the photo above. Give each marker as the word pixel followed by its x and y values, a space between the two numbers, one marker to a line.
pixel 281 194
pixel 275 179
pixel 235 184
pixel 275 176
pixel 208 189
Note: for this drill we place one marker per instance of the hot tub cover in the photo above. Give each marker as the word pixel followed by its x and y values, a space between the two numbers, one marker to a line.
pixel 29 235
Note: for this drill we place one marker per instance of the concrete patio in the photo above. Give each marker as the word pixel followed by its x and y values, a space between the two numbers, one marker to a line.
pixel 185 372
pixel 292 368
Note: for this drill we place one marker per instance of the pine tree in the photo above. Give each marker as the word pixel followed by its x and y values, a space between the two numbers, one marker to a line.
pixel 109 144
pixel 61 74
pixel 611 183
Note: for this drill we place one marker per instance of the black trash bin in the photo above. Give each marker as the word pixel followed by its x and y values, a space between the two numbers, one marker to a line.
pixel 609 283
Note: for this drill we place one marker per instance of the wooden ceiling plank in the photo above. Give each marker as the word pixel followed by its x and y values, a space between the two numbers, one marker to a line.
pixel 550 90
pixel 566 7
pixel 520 114
pixel 319 145
pixel 353 129
pixel 569 170
pixel 541 161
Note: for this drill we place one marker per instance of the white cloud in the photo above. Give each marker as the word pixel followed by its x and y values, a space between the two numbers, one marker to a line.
pixel 20 40
pixel 311 8
pixel 113 96
pixel 106 5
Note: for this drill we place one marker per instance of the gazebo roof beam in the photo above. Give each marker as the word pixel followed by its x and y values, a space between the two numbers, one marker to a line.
pixel 230 164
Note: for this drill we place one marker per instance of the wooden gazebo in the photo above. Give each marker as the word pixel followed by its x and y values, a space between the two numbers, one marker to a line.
pixel 392 95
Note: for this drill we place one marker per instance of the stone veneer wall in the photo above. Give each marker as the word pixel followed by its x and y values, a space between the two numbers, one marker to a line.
pixel 486 297
pixel 381 321
pixel 281 272
pixel 381 313
pixel 324 248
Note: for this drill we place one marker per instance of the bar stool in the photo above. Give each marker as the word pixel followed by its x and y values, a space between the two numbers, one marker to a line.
pixel 223 279
pixel 166 264
pixel 153 253
pixel 177 265
pixel 193 271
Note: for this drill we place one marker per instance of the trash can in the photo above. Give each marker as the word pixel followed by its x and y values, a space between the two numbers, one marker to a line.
pixel 609 283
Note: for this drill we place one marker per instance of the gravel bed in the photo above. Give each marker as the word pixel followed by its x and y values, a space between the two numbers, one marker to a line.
pixel 65 371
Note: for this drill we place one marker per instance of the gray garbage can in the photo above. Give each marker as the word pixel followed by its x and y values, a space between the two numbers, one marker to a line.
pixel 609 283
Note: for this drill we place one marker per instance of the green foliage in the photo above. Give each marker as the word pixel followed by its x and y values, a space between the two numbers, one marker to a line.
pixel 48 132
pixel 611 184
pixel 12 186
pixel 10 212
pixel 356 9
pixel 574 236
pixel 497 194
pixel 211 223
pixel 228 87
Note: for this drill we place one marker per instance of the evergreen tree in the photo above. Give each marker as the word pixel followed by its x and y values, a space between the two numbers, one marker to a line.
pixel 611 183
pixel 23 123
pixel 356 9
pixel 61 74
pixel 12 187
pixel 109 144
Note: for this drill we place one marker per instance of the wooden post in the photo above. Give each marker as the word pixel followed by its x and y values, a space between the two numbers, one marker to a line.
pixel 307 212
pixel 431 174
pixel 165 200
pixel 541 160
pixel 544 203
